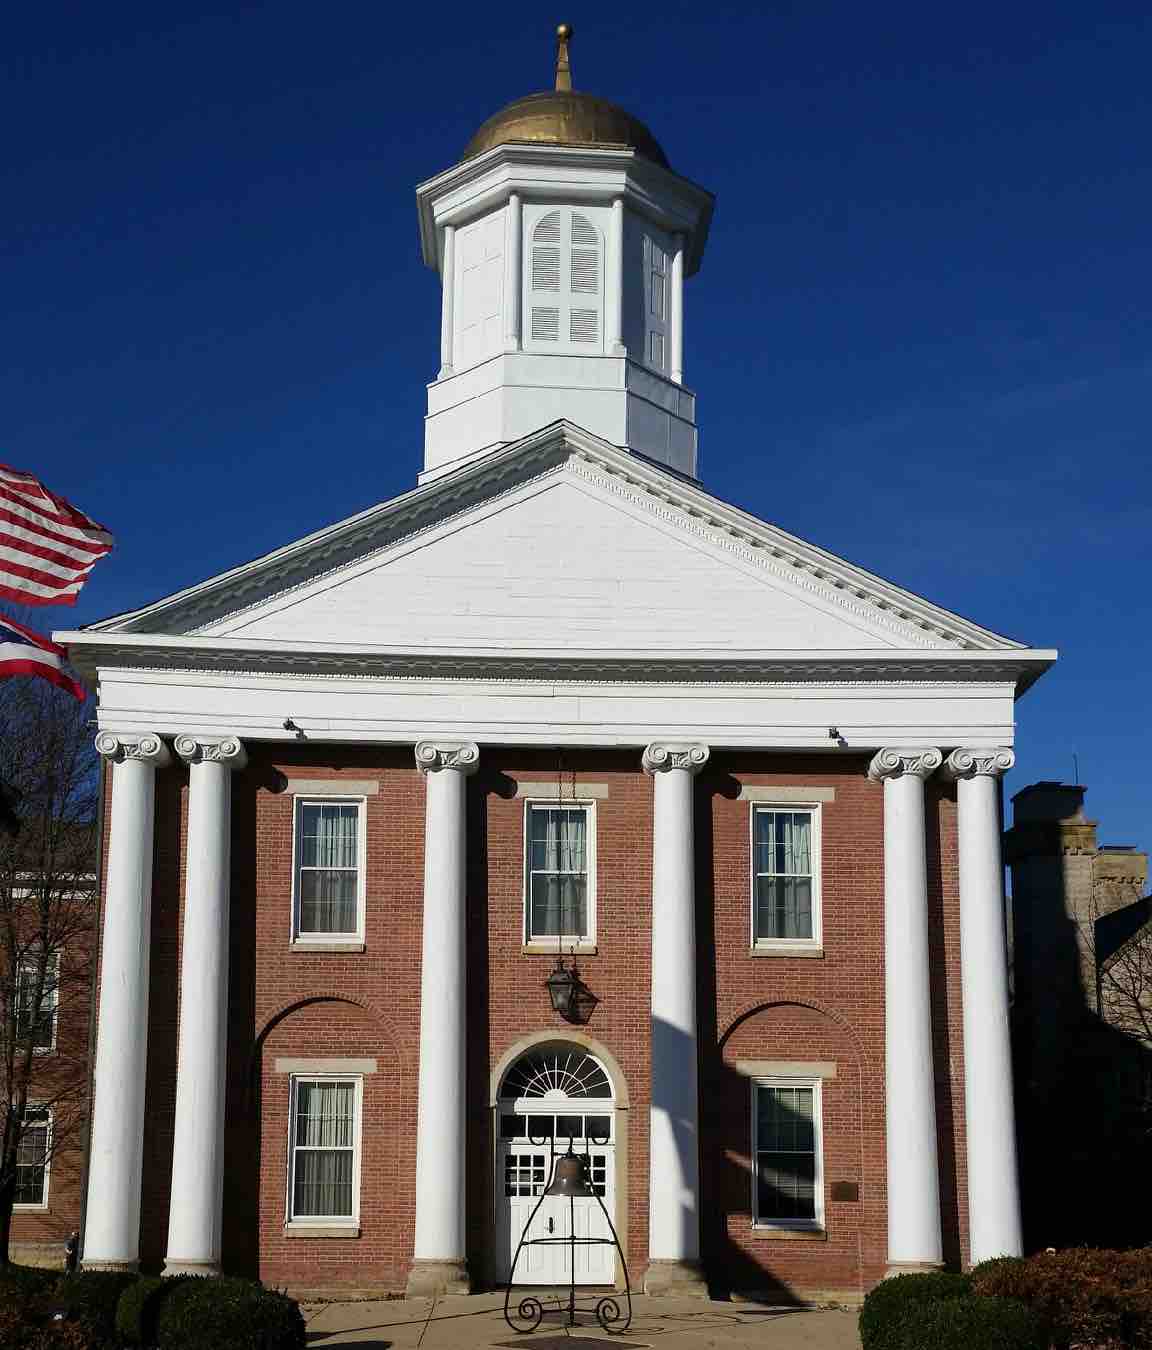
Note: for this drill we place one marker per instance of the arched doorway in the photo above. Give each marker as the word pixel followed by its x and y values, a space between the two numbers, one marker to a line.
pixel 555 1094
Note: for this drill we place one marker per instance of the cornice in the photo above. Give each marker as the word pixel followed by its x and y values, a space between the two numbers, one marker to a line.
pixel 856 670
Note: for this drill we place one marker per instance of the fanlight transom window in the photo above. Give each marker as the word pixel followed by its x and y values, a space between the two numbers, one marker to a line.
pixel 555 1071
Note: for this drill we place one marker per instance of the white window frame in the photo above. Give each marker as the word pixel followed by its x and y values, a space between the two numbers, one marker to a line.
pixel 816 1223
pixel 358 800
pixel 814 943
pixel 53 963
pixel 42 1207
pixel 306 1221
pixel 570 942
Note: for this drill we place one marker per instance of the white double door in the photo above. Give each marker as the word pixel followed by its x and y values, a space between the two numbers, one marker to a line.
pixel 524 1160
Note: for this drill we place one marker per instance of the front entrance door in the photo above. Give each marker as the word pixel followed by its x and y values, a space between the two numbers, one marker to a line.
pixel 562 1098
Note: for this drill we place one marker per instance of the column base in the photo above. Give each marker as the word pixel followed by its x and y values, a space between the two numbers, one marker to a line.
pixel 430 1279
pixel 173 1266
pixel 117 1267
pixel 676 1279
pixel 913 1268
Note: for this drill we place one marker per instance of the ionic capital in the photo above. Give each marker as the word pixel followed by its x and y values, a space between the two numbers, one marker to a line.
pixel 896 761
pixel 663 755
pixel 966 763
pixel 432 756
pixel 146 748
pixel 226 750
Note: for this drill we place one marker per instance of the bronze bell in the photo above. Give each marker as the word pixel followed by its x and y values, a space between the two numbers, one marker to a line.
pixel 570 1178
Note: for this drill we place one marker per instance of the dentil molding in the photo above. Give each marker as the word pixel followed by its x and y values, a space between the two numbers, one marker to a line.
pixel 432 756
pixel 894 762
pixel 663 755
pixel 147 747
pixel 226 750
pixel 972 763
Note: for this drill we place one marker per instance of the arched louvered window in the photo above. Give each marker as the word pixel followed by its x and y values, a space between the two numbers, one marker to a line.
pixel 564 281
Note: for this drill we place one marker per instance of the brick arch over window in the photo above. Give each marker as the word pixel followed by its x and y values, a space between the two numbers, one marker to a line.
pixel 812 1005
pixel 396 1043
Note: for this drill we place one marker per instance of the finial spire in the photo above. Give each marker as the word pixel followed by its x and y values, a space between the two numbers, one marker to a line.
pixel 563 69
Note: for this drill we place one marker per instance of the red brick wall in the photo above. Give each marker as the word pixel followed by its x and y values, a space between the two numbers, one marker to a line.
pixel 367 1004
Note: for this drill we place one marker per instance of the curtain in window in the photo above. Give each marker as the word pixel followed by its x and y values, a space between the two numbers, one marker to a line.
pixel 322 1175
pixel 328 867
pixel 32 1158
pixel 785 1153
pixel 558 868
pixel 783 863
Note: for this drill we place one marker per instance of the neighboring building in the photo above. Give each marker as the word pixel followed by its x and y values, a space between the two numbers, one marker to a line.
pixel 1082 1023
pixel 50 1167
pixel 557 696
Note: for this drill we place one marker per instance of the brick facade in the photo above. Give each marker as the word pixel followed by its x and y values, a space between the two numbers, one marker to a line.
pixel 287 1003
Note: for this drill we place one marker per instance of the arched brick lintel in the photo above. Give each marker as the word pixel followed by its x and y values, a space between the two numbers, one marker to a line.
pixel 332 996
pixel 765 1005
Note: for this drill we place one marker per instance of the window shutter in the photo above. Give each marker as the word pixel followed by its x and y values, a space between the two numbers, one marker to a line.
pixel 564 282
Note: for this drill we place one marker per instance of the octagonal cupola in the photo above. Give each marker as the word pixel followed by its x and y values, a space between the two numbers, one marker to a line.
pixel 563 240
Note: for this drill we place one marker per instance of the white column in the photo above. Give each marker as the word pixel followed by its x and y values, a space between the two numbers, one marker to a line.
pixel 676 313
pixel 448 300
pixel 990 1119
pixel 513 273
pixel 439 1263
pixel 614 291
pixel 112 1214
pixel 913 1163
pixel 674 1145
pixel 197 1196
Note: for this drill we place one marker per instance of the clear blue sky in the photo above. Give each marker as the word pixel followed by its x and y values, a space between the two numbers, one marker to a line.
pixel 921 337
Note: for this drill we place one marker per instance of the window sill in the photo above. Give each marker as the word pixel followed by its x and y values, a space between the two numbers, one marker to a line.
pixel 809 950
pixel 30 1209
pixel 547 947
pixel 786 1234
pixel 322 945
pixel 321 1230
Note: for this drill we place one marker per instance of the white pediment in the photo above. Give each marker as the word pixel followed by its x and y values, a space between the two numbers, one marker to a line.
pixel 558 543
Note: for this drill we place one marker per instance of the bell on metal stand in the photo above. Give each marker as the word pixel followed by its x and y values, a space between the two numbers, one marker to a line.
pixel 569 1178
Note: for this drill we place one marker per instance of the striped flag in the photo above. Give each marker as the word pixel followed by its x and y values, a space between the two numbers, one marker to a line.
pixel 23 652
pixel 47 546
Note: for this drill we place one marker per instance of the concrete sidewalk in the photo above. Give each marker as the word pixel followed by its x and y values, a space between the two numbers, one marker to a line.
pixel 671 1324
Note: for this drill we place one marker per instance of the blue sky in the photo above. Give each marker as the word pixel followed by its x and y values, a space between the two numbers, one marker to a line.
pixel 921 337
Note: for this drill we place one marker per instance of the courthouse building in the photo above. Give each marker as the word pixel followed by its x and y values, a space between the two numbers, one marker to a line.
pixel 557 700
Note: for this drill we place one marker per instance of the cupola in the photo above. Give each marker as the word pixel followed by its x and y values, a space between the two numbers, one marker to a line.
pixel 563 240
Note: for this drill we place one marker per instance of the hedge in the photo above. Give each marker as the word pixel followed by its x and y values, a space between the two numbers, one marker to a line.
pixel 90 1297
pixel 889 1305
pixel 139 1308
pixel 225 1313
pixel 1087 1296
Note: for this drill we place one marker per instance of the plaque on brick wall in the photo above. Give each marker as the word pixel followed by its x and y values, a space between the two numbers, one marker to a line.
pixel 845 1191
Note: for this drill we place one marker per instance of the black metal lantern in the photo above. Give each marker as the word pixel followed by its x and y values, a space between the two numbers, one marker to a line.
pixel 571 1179
pixel 570 996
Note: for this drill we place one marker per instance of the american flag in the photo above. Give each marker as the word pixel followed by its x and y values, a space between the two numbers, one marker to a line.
pixel 23 652
pixel 47 545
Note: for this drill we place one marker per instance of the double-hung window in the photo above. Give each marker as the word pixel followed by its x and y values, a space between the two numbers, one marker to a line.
pixel 37 1019
pixel 788 1185
pixel 560 872
pixel 32 1153
pixel 324 1152
pixel 785 876
pixel 329 866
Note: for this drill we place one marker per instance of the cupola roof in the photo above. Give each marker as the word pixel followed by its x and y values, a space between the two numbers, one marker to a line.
pixel 565 116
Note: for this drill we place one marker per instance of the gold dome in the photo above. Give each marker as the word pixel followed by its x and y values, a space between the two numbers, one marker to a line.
pixel 564 116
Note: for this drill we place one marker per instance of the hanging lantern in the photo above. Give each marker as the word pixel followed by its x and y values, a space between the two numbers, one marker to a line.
pixel 570 996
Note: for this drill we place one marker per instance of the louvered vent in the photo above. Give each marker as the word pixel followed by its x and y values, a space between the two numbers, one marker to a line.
pixel 545 326
pixel 585 256
pixel 584 326
pixel 546 253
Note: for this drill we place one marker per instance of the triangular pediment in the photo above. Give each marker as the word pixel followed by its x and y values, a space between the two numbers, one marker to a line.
pixel 559 541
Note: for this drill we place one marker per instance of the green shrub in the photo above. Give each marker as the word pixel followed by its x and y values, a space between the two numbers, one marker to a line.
pixel 971 1323
pixel 224 1313
pixel 139 1307
pixel 892 1302
pixel 90 1297
pixel 26 1284
pixel 1087 1296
